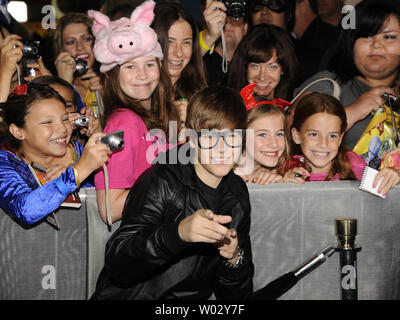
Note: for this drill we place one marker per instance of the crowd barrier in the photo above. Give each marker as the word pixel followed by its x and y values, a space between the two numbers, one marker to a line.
pixel 289 224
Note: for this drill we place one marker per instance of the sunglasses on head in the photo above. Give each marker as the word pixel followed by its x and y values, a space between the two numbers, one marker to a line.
pixel 273 5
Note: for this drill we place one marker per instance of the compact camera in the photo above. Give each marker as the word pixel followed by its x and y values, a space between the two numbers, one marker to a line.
pixel 81 122
pixel 81 67
pixel 31 49
pixel 235 8
pixel 115 140
pixel 31 54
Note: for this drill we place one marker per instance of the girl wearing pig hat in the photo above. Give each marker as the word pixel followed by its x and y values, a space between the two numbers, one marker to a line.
pixel 135 98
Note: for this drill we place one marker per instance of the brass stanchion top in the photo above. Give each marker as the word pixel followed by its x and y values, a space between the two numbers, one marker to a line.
pixel 346 231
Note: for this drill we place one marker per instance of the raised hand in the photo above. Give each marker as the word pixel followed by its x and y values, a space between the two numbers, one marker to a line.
pixel 204 226
pixel 65 65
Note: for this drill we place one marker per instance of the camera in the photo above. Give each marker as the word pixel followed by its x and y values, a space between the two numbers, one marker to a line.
pixel 235 8
pixel 391 102
pixel 115 140
pixel 81 122
pixel 29 72
pixel 31 49
pixel 31 54
pixel 81 67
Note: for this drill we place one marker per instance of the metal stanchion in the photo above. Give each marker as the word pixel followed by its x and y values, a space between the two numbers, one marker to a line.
pixel 346 231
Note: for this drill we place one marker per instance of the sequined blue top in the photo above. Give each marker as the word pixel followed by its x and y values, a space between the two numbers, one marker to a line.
pixel 23 198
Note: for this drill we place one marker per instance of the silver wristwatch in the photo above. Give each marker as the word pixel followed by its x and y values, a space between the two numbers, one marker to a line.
pixel 238 262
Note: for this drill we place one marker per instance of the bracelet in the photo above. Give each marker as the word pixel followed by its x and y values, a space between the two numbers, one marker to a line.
pixel 238 262
pixel 202 43
pixel 78 183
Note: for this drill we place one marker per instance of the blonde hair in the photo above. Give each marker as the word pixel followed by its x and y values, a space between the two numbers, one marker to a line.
pixel 269 109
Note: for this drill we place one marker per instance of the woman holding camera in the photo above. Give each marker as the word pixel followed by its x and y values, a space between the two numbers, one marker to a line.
pixel 73 48
pixel 40 165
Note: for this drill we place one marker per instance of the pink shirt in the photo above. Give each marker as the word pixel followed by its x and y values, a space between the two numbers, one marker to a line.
pixel 357 165
pixel 125 166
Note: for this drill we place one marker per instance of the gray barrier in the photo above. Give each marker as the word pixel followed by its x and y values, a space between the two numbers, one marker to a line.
pixel 289 224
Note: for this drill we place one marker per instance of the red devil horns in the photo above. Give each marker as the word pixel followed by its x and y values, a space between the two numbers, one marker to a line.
pixel 250 102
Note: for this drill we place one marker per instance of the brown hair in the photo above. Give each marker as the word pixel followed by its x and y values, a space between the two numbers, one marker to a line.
pixel 161 110
pixel 269 109
pixel 216 107
pixel 72 17
pixel 259 45
pixel 192 78
pixel 321 103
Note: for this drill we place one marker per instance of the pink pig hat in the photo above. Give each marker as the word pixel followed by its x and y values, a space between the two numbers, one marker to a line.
pixel 124 39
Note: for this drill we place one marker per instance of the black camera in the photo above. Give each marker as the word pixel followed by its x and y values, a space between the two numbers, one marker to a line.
pixel 81 67
pixel 29 72
pixel 115 140
pixel 235 8
pixel 31 49
pixel 81 122
pixel 31 54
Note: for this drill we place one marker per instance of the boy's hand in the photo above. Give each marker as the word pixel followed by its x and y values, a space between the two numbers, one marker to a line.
pixel 228 247
pixel 391 177
pixel 204 226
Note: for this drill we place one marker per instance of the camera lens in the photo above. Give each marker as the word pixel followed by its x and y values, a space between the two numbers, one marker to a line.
pixel 236 10
pixel 82 122
pixel 81 67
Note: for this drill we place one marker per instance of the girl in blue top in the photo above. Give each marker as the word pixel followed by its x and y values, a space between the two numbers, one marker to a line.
pixel 40 133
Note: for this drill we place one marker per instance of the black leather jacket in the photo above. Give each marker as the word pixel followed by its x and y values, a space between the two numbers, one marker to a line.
pixel 146 258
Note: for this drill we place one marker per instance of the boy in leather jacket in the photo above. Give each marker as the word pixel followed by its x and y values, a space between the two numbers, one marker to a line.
pixel 185 227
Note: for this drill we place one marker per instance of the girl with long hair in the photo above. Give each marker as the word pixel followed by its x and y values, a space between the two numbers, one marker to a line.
pixel 135 96
pixel 178 34
pixel 39 132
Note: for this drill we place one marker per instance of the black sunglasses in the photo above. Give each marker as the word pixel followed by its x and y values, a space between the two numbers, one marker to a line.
pixel 273 5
